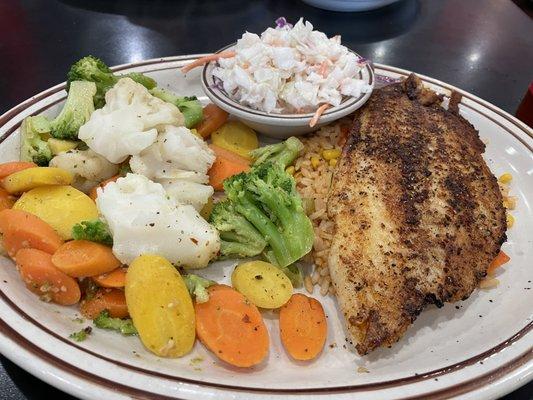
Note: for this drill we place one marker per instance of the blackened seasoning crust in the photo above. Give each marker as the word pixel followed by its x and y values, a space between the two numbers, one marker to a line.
pixel 418 214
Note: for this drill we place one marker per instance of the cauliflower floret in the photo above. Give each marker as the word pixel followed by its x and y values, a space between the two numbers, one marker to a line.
pixel 191 176
pixel 176 149
pixel 187 192
pixel 88 168
pixel 142 219
pixel 128 122
pixel 179 161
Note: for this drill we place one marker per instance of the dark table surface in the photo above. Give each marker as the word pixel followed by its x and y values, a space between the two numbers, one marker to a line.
pixel 482 46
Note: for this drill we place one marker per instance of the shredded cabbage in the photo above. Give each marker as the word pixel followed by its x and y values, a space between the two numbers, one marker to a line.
pixel 290 69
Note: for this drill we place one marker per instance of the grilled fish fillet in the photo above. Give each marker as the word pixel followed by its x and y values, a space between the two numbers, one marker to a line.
pixel 418 214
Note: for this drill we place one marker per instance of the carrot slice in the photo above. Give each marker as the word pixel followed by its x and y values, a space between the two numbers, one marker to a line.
pixel 93 193
pixel 500 259
pixel 44 279
pixel 21 229
pixel 113 279
pixel 303 327
pixel 6 200
pixel 318 113
pixel 79 258
pixel 226 164
pixel 214 117
pixel 231 327
pixel 112 300
pixel 14 166
pixel 204 60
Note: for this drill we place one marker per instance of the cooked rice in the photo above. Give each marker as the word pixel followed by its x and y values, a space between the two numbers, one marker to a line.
pixel 313 185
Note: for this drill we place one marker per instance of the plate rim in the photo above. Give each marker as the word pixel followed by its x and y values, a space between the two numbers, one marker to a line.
pixel 520 362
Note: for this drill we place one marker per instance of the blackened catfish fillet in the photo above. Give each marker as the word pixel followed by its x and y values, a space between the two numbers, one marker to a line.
pixel 418 214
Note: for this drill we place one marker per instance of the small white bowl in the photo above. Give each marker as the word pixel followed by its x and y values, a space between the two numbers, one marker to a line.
pixel 281 126
pixel 349 5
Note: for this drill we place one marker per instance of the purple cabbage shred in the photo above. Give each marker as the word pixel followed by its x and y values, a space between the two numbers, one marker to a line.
pixel 386 79
pixel 218 84
pixel 281 22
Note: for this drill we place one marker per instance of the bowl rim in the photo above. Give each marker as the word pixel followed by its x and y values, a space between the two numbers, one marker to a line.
pixel 347 104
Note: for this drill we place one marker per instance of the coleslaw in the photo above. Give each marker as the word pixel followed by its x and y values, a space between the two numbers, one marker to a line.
pixel 290 69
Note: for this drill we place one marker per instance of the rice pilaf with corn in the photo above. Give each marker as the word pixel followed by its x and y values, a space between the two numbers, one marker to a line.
pixel 313 172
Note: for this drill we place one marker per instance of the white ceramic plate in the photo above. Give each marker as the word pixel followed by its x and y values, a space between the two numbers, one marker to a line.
pixel 481 350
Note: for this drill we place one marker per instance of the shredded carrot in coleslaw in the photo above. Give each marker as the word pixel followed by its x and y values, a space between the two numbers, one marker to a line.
pixel 323 70
pixel 204 60
pixel 318 113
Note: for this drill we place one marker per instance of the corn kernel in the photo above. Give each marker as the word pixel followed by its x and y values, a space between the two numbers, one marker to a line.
pixel 290 170
pixel 510 220
pixel 315 161
pixel 333 161
pixel 509 202
pixel 331 154
pixel 506 178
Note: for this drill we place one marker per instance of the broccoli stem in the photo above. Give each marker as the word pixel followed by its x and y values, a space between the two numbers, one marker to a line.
pixel 231 244
pixel 229 248
pixel 283 153
pixel 292 271
pixel 32 145
pixel 266 227
pixel 296 226
pixel 76 111
pixel 190 107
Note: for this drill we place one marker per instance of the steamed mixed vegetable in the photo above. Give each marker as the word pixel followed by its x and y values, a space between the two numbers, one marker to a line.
pixel 113 202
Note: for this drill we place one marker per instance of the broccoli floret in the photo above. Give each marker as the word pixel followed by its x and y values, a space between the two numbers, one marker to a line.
pixel 95 231
pixel 81 335
pixel 33 147
pixel 89 289
pixel 238 237
pixel 89 68
pixel 76 111
pixel 266 196
pixel 197 287
pixel 124 326
pixel 190 107
pixel 283 153
pixel 93 69
pixel 124 168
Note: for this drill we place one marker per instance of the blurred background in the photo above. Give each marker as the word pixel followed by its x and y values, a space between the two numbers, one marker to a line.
pixel 482 46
